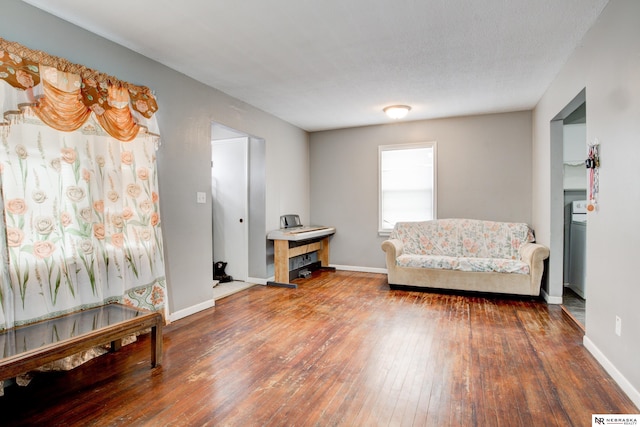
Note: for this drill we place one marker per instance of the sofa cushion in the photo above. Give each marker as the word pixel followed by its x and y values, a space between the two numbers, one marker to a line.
pixel 497 265
pixel 463 238
pixel 429 261
pixel 428 237
pixel 490 239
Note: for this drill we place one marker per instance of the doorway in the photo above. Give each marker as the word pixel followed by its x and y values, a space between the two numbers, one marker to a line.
pixel 568 196
pixel 238 203
pixel 229 188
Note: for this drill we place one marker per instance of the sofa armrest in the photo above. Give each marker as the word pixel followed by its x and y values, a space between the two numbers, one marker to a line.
pixel 393 249
pixel 534 254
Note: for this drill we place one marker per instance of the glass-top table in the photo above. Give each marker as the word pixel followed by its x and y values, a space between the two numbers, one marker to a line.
pixel 28 347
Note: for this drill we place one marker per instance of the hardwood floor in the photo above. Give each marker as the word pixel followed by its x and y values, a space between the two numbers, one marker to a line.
pixel 575 306
pixel 341 350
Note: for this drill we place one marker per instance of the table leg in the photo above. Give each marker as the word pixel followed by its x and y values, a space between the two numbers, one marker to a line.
pixel 323 253
pixel 116 345
pixel 156 345
pixel 281 259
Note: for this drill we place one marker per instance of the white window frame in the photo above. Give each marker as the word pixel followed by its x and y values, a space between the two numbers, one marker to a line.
pixel 385 231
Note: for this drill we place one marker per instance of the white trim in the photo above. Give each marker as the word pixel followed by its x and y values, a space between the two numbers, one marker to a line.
pixel 191 310
pixel 360 269
pixel 258 281
pixel 617 376
pixel 549 299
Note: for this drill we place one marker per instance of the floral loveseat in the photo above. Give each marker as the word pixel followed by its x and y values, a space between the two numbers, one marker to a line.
pixel 465 254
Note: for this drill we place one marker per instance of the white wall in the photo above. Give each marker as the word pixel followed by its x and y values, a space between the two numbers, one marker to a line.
pixel 483 171
pixel 186 111
pixel 607 64
pixel 574 152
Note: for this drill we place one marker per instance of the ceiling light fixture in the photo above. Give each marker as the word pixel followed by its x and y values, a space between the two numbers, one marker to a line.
pixel 397 111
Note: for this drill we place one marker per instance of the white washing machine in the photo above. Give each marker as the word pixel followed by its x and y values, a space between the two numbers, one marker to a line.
pixel 578 247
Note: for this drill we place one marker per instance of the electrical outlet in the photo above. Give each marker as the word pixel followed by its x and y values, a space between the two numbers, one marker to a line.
pixel 201 197
pixel 618 326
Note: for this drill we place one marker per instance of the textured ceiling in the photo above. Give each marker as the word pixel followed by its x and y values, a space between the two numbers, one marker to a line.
pixel 326 64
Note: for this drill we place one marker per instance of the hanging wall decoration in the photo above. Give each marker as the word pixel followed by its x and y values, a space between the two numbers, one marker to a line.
pixel 593 166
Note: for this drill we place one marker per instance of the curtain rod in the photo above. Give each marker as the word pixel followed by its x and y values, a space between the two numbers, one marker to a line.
pixel 67 66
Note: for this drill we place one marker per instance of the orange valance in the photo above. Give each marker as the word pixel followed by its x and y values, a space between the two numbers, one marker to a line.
pixel 63 95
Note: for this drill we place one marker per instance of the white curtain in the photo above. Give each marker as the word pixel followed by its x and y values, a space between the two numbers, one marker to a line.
pixel 80 222
pixel 81 219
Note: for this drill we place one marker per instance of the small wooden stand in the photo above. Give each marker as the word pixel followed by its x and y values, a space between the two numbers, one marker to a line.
pixel 287 249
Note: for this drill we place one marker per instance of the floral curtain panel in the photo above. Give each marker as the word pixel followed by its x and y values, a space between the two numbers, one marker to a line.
pixel 80 224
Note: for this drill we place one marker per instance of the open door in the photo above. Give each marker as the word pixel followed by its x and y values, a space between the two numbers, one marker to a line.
pixel 229 187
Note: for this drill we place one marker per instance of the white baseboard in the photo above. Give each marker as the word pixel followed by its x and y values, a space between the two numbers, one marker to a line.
pixel 617 376
pixel 191 310
pixel 549 299
pixel 360 269
pixel 257 280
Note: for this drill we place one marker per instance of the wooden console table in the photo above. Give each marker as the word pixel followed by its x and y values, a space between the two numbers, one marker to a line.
pixel 28 347
pixel 289 243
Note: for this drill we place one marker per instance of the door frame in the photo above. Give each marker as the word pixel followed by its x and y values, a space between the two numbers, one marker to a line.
pixel 555 282
pixel 255 219
pixel 236 251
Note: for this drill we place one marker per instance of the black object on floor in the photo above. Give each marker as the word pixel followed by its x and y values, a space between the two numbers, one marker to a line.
pixel 219 274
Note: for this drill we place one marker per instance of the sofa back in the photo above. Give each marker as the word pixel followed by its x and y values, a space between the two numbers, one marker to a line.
pixel 463 238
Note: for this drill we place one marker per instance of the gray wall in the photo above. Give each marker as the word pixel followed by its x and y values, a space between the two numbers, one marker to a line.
pixel 607 64
pixel 186 111
pixel 483 171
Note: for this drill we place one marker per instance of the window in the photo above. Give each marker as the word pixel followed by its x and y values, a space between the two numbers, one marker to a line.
pixel 407 187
